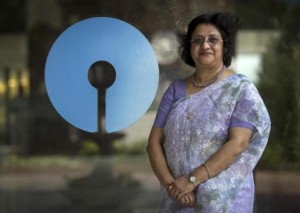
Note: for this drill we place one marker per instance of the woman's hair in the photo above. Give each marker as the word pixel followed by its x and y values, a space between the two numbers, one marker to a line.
pixel 224 22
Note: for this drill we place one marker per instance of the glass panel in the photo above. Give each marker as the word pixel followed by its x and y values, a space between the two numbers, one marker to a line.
pixel 48 165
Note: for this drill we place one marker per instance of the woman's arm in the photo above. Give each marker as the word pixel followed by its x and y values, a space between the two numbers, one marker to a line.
pixel 157 156
pixel 160 167
pixel 238 142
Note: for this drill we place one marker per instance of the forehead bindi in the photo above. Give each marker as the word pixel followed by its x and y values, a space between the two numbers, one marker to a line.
pixel 204 30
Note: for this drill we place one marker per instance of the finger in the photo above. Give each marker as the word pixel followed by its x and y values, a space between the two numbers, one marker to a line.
pixel 170 186
pixel 183 201
pixel 180 194
pixel 187 201
pixel 175 193
pixel 193 201
pixel 169 189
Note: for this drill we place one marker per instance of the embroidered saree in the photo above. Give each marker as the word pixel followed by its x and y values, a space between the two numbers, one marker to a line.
pixel 197 126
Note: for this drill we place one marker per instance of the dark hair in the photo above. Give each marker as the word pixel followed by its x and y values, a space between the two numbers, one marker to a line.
pixel 224 22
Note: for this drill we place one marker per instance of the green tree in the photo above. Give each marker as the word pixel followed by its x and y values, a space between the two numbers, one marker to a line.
pixel 279 87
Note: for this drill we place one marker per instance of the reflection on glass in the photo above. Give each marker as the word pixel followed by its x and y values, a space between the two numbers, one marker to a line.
pixel 165 45
pixel 48 166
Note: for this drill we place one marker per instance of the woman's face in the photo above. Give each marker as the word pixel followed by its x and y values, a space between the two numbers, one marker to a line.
pixel 207 46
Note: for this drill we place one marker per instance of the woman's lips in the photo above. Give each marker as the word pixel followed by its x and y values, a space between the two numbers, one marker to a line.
pixel 205 53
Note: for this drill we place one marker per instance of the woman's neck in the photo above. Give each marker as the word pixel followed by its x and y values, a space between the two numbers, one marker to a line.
pixel 205 74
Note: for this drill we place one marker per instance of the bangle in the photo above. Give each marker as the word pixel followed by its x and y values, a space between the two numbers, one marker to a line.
pixel 206 167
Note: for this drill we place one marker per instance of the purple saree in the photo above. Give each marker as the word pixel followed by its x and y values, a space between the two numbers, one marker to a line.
pixel 197 126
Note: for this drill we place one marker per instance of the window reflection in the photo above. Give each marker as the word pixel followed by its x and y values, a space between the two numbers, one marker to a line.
pixel 48 165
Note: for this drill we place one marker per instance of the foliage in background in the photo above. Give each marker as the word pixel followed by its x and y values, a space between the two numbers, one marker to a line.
pixel 13 162
pixel 89 148
pixel 279 87
pixel 134 148
pixel 263 14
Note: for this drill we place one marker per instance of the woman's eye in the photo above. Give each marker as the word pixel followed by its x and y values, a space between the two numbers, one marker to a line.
pixel 213 40
pixel 197 41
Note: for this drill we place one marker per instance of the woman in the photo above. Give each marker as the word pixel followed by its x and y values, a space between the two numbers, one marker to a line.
pixel 211 128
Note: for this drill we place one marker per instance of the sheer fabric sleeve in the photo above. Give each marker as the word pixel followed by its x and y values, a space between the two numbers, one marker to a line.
pixel 250 110
pixel 235 122
pixel 165 107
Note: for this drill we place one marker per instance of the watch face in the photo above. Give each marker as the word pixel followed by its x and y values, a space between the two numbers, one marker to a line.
pixel 192 178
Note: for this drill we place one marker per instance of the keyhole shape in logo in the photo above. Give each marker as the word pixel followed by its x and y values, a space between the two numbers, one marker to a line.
pixel 101 39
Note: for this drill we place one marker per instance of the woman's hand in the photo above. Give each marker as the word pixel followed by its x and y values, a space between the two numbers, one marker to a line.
pixel 180 187
pixel 189 200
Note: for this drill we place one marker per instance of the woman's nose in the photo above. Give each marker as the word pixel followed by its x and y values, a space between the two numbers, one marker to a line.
pixel 205 44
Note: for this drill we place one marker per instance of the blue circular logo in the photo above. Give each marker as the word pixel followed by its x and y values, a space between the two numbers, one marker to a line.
pixel 101 39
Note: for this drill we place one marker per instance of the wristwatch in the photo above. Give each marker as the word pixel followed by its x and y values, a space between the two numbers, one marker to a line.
pixel 193 180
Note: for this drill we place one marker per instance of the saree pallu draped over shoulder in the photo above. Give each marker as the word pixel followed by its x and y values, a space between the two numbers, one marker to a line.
pixel 197 127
